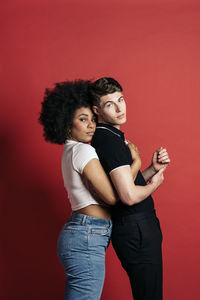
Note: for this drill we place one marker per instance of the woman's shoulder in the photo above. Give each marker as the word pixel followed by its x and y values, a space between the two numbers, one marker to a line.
pixel 83 148
pixel 82 154
pixel 77 145
pixel 78 148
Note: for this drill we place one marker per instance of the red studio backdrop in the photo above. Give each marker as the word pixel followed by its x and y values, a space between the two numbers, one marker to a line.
pixel 152 48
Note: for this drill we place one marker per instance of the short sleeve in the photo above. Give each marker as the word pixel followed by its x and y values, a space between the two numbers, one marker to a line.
pixel 114 153
pixel 82 154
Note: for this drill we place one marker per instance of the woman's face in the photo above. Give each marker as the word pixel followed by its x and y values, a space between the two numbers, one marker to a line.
pixel 83 125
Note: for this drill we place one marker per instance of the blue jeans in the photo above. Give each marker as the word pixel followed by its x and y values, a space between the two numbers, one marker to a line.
pixel 82 243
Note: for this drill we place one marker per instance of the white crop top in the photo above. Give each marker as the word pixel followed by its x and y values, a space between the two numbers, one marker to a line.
pixel 75 157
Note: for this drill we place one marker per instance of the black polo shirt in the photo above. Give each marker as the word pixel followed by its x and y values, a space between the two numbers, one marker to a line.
pixel 113 153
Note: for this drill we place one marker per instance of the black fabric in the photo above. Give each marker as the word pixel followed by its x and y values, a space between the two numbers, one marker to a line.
pixel 113 153
pixel 137 241
pixel 111 149
pixel 136 234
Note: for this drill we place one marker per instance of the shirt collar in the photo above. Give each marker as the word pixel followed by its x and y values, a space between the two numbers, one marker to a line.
pixel 111 128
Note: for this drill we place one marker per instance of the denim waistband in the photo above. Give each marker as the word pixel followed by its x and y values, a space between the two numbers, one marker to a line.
pixel 134 217
pixel 88 220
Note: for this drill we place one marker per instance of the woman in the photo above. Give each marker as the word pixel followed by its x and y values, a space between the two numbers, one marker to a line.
pixel 67 119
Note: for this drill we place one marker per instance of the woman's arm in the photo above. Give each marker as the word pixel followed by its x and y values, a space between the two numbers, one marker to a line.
pixel 96 175
pixel 149 172
pixel 136 165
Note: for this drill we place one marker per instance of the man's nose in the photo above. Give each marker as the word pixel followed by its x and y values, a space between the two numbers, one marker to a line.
pixel 117 108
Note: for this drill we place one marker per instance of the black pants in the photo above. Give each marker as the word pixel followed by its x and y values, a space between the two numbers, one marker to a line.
pixel 137 241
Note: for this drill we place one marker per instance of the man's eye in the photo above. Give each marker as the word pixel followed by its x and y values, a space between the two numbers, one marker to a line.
pixel 109 105
pixel 121 99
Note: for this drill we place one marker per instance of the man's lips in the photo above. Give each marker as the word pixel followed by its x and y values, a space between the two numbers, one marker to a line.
pixel 121 116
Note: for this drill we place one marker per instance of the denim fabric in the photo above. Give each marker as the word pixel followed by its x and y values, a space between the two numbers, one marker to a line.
pixel 82 243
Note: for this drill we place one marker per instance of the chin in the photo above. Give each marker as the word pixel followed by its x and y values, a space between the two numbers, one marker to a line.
pixel 87 140
pixel 122 122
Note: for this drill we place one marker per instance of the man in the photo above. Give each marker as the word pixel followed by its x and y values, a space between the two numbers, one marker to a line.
pixel 136 235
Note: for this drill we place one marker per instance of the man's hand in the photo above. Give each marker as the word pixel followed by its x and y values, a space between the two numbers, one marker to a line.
pixel 160 159
pixel 158 178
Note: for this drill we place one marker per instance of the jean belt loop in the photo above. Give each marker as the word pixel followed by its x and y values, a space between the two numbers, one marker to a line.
pixel 83 220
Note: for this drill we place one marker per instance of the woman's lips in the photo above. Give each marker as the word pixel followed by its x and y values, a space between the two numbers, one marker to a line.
pixel 90 133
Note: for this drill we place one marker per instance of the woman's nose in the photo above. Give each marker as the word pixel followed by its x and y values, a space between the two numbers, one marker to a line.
pixel 91 124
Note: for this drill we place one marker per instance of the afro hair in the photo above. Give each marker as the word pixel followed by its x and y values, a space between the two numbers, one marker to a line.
pixel 59 106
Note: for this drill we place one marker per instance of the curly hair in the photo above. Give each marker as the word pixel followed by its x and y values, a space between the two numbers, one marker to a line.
pixel 102 87
pixel 58 108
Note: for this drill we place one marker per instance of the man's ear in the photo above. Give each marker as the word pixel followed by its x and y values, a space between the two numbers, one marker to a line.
pixel 95 109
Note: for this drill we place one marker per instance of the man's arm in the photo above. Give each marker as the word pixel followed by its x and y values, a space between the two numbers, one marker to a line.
pixel 160 160
pixel 130 193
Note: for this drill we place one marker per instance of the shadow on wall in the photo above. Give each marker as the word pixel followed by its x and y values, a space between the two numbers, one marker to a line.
pixel 30 230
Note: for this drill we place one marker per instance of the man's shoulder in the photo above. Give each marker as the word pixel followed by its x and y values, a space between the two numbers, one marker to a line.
pixel 103 132
pixel 104 139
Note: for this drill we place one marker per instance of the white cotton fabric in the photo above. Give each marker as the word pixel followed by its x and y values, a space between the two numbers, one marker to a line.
pixel 75 157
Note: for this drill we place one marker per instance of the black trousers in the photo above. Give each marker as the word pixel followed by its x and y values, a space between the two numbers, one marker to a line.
pixel 137 241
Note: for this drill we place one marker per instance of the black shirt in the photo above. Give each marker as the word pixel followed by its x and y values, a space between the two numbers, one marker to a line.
pixel 113 153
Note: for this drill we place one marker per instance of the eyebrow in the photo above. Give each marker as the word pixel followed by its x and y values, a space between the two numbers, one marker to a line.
pixel 112 100
pixel 83 115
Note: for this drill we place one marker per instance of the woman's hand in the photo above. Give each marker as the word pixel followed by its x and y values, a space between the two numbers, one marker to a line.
pixel 134 151
pixel 136 165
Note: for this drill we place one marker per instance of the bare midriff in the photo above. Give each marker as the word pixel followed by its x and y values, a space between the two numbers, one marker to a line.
pixel 96 211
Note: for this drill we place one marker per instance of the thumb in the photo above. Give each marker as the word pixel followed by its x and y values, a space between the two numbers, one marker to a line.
pixel 159 149
pixel 162 170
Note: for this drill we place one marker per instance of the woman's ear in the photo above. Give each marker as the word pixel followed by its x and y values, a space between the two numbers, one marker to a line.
pixel 95 109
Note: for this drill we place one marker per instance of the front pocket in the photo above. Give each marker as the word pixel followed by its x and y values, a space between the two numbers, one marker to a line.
pixel 158 224
pixel 99 231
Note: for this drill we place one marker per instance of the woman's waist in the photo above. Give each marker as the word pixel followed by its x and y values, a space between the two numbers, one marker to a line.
pixel 86 220
pixel 95 211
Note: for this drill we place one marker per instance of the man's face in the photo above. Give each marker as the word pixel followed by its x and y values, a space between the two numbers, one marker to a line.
pixel 112 109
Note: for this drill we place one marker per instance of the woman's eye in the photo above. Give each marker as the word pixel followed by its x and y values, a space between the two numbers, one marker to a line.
pixel 121 99
pixel 82 120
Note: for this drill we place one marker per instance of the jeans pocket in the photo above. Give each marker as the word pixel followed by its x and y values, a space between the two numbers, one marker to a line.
pixel 98 240
pixel 99 231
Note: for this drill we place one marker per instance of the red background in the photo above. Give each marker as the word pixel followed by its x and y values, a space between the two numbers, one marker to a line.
pixel 152 48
